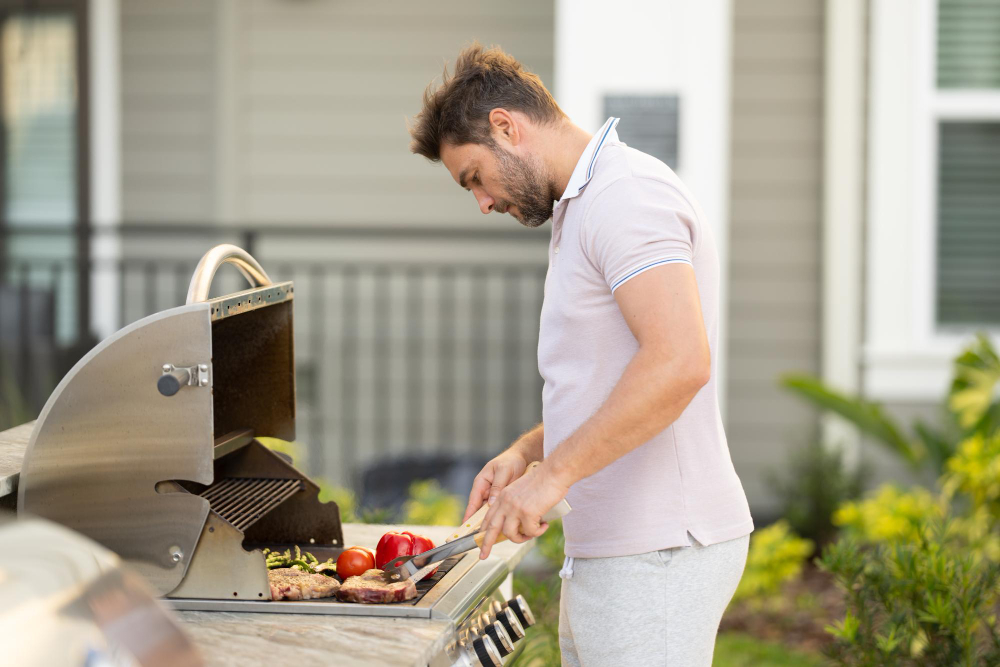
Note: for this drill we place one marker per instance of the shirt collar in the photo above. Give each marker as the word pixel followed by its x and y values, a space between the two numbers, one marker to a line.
pixel 585 167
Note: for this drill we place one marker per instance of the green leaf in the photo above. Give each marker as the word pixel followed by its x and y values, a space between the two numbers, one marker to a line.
pixel 868 416
pixel 846 629
pixel 972 394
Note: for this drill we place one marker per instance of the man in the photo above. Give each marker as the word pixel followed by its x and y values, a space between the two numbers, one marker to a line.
pixel 631 432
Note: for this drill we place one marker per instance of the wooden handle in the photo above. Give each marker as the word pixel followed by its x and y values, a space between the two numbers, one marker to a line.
pixel 475 521
pixel 470 526
pixel 480 536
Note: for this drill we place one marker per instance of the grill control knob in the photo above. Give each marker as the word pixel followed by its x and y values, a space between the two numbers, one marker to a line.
pixel 509 621
pixel 496 608
pixel 503 642
pixel 486 653
pixel 522 611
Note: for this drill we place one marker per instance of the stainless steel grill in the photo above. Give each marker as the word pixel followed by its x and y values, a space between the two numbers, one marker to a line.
pixel 150 447
pixel 243 500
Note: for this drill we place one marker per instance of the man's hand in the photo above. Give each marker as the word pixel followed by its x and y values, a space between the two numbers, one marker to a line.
pixel 518 509
pixel 493 478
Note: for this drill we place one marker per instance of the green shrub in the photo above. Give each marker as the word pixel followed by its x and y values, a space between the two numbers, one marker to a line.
pixel 430 505
pixel 541 642
pixel 889 514
pixel 813 486
pixel 971 408
pixel 922 600
pixel 776 555
pixel 920 570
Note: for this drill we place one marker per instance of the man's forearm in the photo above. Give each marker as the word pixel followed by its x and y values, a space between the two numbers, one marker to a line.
pixel 530 444
pixel 650 395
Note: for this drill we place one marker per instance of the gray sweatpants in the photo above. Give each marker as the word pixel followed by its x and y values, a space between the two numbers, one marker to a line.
pixel 656 608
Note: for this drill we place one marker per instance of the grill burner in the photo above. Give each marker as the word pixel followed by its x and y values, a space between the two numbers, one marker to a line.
pixel 243 500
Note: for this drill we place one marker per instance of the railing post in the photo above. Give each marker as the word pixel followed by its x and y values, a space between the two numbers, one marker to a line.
pixel 250 241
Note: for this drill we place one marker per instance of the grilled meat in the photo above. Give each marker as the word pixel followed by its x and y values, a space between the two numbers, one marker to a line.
pixel 371 588
pixel 288 583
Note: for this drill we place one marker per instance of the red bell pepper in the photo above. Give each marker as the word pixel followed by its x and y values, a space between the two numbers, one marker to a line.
pixel 421 544
pixel 392 545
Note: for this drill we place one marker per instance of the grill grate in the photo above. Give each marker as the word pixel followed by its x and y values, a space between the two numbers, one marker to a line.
pixel 243 500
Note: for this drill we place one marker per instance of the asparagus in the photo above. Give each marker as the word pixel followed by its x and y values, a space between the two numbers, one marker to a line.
pixel 301 560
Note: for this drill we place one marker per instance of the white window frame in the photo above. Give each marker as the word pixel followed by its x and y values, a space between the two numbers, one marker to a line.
pixel 906 355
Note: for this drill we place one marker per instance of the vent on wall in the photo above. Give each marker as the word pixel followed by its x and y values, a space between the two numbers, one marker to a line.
pixel 649 123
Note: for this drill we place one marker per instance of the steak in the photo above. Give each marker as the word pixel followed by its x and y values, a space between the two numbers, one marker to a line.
pixel 371 588
pixel 289 583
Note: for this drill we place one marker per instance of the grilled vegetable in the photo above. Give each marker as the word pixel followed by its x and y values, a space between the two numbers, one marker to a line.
pixel 301 560
pixel 355 561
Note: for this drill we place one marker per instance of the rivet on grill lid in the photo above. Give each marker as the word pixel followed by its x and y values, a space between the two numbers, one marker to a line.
pixel 175 553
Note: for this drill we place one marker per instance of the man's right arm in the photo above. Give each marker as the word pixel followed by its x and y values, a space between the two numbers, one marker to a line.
pixel 505 468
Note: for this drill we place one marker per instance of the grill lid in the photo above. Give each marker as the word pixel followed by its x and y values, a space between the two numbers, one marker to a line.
pixel 144 407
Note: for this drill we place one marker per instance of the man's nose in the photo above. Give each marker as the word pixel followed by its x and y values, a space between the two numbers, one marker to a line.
pixel 485 202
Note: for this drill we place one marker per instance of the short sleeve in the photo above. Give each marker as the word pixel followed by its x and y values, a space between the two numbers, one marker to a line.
pixel 636 224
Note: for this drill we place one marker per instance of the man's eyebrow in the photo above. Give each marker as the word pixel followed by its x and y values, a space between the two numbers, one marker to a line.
pixel 461 178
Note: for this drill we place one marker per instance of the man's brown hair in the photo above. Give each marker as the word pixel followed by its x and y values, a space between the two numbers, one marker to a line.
pixel 458 111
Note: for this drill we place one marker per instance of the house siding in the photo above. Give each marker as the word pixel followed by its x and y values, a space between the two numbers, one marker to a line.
pixel 775 234
pixel 271 113
pixel 167 81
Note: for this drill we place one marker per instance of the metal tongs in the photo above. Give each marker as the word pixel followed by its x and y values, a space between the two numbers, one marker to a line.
pixel 417 567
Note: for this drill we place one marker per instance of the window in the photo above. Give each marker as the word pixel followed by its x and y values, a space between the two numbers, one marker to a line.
pixel 43 216
pixel 932 272
pixel 966 108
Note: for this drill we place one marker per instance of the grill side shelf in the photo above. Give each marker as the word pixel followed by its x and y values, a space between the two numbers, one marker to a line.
pixel 242 501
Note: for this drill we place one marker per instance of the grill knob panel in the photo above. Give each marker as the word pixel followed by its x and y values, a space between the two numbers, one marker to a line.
pixel 486 653
pixel 522 611
pixel 503 642
pixel 511 624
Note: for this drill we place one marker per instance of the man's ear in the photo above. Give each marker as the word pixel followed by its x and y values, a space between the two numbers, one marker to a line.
pixel 504 127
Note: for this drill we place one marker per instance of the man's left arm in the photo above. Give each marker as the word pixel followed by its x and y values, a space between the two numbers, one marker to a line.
pixel 662 308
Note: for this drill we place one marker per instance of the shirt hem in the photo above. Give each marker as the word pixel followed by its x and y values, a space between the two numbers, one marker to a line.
pixel 659 542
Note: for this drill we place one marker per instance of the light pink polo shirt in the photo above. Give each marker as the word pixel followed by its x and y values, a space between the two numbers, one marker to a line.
pixel 625 212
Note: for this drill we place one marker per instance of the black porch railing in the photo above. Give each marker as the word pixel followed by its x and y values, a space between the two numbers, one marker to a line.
pixel 424 355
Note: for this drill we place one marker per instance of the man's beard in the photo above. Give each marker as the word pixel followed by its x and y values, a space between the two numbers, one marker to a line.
pixel 527 186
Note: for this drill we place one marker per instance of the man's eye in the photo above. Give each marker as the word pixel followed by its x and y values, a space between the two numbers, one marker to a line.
pixel 475 178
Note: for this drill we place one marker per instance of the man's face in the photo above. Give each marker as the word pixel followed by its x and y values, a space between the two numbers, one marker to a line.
pixel 502 181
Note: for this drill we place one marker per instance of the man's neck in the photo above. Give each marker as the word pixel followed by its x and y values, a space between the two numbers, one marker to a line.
pixel 563 151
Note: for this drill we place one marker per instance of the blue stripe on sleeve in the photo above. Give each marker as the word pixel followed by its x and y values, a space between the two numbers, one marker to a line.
pixel 648 266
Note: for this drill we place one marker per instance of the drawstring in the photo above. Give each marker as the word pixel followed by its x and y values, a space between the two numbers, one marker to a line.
pixel 567 569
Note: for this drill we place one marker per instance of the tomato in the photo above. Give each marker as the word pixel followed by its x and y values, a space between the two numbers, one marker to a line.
pixel 354 561
pixel 392 545
pixel 420 545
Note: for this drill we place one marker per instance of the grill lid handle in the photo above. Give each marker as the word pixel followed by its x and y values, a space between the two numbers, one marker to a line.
pixel 201 281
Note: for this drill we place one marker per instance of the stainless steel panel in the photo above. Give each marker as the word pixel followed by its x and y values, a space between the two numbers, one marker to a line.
pixel 251 299
pixel 460 600
pixel 106 437
pixel 221 568
pixel 302 607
